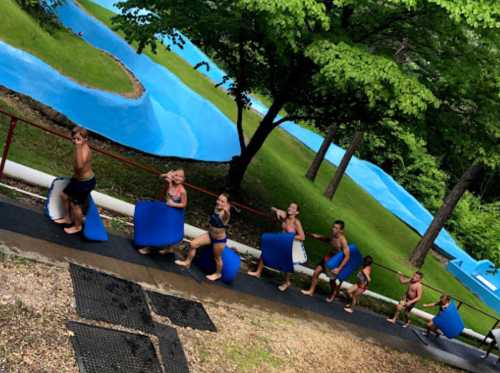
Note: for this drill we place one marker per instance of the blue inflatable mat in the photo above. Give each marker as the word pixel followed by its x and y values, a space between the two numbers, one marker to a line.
pixel 230 259
pixel 354 263
pixel 277 251
pixel 93 228
pixel 449 321
pixel 157 225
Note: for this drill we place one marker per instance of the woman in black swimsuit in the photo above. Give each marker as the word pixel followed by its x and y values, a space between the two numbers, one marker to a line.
pixel 216 236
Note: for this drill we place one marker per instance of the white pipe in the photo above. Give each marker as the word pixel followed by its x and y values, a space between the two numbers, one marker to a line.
pixel 38 178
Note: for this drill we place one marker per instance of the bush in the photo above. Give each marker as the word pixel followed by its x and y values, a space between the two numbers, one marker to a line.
pixel 476 226
pixel 42 11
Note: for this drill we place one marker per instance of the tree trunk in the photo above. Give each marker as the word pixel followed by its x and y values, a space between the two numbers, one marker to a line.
pixel 320 155
pixel 239 164
pixel 334 183
pixel 418 255
pixel 239 122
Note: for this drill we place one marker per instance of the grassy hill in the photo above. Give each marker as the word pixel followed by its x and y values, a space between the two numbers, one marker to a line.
pixel 276 178
pixel 63 50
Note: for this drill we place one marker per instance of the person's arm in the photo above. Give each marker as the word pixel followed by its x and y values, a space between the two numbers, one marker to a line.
pixel 403 279
pixel 417 298
pixel 320 237
pixel 427 305
pixel 347 255
pixel 300 235
pixel 81 156
pixel 368 271
pixel 280 214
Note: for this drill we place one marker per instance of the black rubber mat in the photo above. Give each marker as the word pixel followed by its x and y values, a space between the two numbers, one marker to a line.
pixel 107 298
pixel 101 350
pixel 173 357
pixel 182 312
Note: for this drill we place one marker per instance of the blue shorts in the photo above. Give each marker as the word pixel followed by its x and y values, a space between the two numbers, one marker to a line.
pixel 78 191
pixel 214 241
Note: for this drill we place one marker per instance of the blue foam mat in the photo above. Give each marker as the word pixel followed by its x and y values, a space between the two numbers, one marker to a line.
pixel 449 321
pixel 277 251
pixel 353 264
pixel 230 259
pixel 157 225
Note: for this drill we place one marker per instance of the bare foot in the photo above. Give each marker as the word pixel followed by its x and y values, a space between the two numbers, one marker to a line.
pixel 284 286
pixel 72 230
pixel 329 299
pixel 144 250
pixel 183 263
pixel 406 325
pixel 254 274
pixel 214 276
pixel 307 292
pixel 348 309
pixel 392 321
pixel 62 221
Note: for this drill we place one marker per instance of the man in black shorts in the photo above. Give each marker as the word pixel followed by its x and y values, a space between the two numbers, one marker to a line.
pixel 76 193
pixel 338 243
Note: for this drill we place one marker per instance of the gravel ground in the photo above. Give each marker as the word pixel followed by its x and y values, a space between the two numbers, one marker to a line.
pixel 37 299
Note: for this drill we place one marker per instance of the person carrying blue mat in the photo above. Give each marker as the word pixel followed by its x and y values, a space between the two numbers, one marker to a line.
pixel 278 249
pixel 216 237
pixel 75 195
pixel 176 202
pixel 339 246
pixel 447 321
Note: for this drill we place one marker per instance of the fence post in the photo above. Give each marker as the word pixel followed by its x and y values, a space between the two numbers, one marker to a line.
pixel 8 141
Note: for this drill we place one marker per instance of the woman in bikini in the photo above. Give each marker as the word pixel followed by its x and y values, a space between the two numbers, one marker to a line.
pixel 289 224
pixel 176 197
pixel 363 278
pixel 216 237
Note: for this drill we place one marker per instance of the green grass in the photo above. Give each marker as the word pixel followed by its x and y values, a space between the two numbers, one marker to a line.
pixel 63 50
pixel 274 178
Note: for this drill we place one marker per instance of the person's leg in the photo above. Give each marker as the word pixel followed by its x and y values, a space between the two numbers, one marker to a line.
pixel 335 289
pixel 218 249
pixel 77 214
pixel 354 293
pixel 314 281
pixel 66 219
pixel 258 272
pixel 399 307
pixel 285 285
pixel 488 350
pixel 406 315
pixel 199 241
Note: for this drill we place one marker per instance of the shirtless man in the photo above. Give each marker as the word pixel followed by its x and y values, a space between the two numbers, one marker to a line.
pixel 75 195
pixel 410 298
pixel 338 243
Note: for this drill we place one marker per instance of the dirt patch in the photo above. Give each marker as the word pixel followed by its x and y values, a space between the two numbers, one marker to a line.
pixel 37 299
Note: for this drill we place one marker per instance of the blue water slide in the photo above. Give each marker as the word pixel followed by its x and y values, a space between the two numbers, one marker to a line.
pixel 169 119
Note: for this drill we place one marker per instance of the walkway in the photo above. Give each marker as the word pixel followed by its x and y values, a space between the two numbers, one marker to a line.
pixel 28 230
